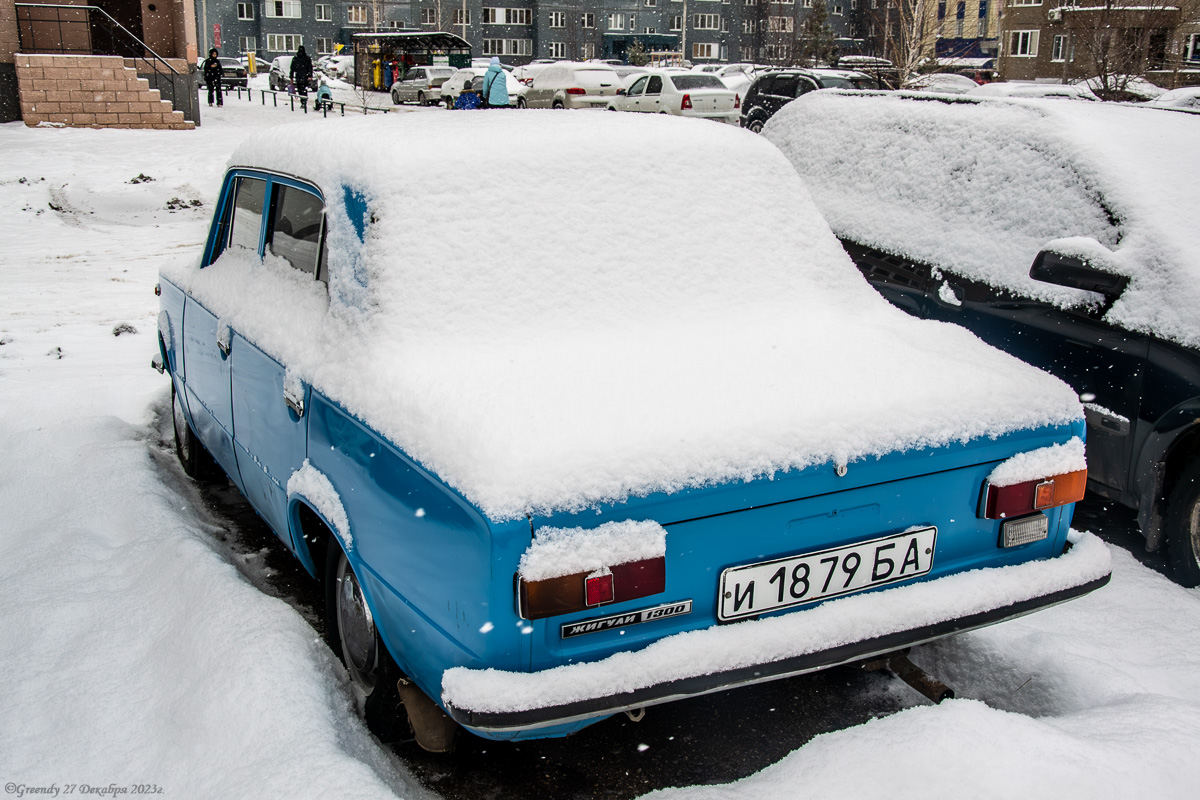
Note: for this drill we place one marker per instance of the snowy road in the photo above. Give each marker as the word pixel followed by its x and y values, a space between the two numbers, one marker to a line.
pixel 138 646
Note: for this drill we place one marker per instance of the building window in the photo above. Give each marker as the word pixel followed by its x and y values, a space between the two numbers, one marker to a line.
pixel 983 19
pixel 491 16
pixel 558 19
pixel 747 26
pixel 785 2
pixel 854 5
pixel 780 24
pixel 324 45
pixel 616 22
pixel 651 3
pixel 702 49
pixel 247 44
pixel 1193 47
pixel 676 23
pixel 1058 50
pixel 518 16
pixel 588 21
pixel 1023 44
pixel 324 12
pixel 284 42
pixel 458 16
pixel 356 15
pixel 836 10
pixel 706 22
pixel 429 16
pixel 650 29
pixel 395 24
pixel 806 3
pixel 1026 2
pixel 587 50
pixel 558 49
pixel 507 47
pixel 285 9
pixel 245 10
pixel 750 2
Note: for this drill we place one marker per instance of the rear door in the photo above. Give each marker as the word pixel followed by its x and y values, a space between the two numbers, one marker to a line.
pixel 652 99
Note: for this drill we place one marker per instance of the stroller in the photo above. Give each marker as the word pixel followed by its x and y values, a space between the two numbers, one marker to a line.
pixel 324 101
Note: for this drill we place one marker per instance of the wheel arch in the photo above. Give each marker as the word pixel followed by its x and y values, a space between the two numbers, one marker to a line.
pixel 1172 447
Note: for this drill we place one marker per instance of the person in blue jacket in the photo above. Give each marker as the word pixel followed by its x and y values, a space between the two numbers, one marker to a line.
pixel 495 85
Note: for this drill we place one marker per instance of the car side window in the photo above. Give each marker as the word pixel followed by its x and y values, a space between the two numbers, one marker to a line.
pixel 804 86
pixel 245 219
pixel 785 85
pixel 294 232
pixel 637 87
pixel 654 85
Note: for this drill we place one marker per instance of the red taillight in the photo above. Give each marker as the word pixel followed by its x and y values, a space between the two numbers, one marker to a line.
pixel 576 91
pixel 687 103
pixel 1002 502
pixel 737 101
pixel 583 590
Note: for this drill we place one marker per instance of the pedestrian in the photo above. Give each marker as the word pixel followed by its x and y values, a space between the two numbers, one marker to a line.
pixel 495 86
pixel 301 74
pixel 212 76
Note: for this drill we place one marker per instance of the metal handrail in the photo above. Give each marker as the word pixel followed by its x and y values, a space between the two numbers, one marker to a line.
pixel 134 48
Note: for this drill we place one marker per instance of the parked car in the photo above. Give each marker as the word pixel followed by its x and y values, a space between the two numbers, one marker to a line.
pixel 421 85
pixel 684 94
pixel 942 83
pixel 945 206
pixel 573 85
pixel 1054 91
pixel 280 76
pixel 471 80
pixel 772 90
pixel 232 72
pixel 340 67
pixel 538 483
pixel 1187 98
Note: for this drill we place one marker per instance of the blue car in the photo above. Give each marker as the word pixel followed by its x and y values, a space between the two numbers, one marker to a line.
pixel 550 468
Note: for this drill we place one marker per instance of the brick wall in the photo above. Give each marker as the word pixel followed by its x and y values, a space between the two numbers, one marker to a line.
pixel 91 92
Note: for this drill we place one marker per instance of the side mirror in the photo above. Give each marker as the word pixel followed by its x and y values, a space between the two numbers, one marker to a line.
pixel 1075 273
pixel 620 92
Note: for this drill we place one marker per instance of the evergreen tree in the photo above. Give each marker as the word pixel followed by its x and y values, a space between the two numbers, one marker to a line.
pixel 816 45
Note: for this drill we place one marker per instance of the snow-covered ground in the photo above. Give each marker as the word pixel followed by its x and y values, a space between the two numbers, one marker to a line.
pixel 135 649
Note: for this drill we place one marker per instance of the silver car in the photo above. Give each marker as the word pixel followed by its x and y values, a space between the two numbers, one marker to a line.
pixel 422 85
pixel 571 85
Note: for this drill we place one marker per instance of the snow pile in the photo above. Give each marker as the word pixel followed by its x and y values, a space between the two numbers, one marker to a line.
pixel 836 622
pixel 539 358
pixel 980 187
pixel 311 483
pixel 1095 698
pixel 555 552
pixel 1036 465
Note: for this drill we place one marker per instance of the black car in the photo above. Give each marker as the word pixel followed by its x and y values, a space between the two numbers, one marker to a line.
pixel 1052 231
pixel 232 72
pixel 772 90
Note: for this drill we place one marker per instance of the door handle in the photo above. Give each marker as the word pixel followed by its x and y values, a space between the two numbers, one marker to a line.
pixel 296 404
pixel 224 335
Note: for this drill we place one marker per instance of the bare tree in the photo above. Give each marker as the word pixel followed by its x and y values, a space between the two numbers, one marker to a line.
pixel 903 32
pixel 1117 42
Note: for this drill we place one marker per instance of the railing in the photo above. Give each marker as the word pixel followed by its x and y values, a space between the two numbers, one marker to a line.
pixel 322 106
pixel 89 30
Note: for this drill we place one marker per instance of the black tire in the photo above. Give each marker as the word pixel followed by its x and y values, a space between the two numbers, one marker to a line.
pixel 395 98
pixel 421 98
pixel 558 105
pixel 449 104
pixel 1183 526
pixel 755 126
pixel 521 103
pixel 197 463
pixel 352 636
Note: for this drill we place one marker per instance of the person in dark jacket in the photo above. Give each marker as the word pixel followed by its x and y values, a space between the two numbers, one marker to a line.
pixel 302 72
pixel 212 76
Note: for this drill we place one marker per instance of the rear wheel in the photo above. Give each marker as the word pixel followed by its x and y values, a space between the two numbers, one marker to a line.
pixel 558 104
pixel 755 126
pixel 395 98
pixel 521 102
pixel 449 104
pixel 1183 527
pixel 420 98
pixel 353 636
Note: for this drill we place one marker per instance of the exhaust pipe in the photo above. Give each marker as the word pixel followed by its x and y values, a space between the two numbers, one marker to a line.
pixel 899 665
pixel 435 732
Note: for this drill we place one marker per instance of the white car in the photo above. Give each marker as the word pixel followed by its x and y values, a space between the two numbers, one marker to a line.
pixel 1020 89
pixel 340 67
pixel 1186 98
pixel 684 94
pixel 941 83
pixel 572 85
pixel 470 79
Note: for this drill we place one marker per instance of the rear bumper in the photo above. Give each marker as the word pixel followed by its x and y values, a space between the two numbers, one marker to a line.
pixel 848 630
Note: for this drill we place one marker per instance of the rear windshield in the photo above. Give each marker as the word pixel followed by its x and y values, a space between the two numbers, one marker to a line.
pixel 585 78
pixel 230 62
pixel 683 82
pixel 444 72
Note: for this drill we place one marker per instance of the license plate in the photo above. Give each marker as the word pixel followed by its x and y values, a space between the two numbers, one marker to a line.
pixel 796 580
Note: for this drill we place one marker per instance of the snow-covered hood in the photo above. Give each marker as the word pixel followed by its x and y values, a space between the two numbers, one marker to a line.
pixel 981 186
pixel 572 360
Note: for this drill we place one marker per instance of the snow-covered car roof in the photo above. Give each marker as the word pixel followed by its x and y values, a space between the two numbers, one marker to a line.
pixel 1187 97
pixel 982 186
pixel 564 361
pixel 943 82
pixel 1025 89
